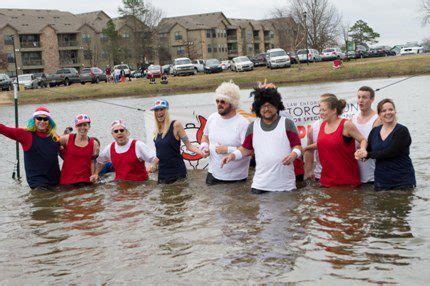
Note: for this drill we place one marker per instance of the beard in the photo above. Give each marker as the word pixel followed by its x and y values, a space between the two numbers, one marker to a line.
pixel 225 111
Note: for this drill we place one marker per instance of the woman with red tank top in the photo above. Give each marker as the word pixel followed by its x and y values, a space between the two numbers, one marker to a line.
pixel 79 153
pixel 127 156
pixel 336 145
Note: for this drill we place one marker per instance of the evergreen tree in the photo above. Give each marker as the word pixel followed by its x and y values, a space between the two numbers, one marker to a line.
pixel 363 34
pixel 113 36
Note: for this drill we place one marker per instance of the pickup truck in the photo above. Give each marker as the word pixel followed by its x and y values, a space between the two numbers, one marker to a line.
pixel 65 76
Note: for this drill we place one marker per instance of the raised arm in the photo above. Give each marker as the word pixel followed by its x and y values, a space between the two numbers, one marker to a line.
pixel 21 135
pixel 182 135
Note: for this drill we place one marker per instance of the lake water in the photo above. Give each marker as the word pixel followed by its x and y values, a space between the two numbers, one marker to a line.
pixel 188 233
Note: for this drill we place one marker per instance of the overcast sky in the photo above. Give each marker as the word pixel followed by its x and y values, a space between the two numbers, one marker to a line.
pixel 397 21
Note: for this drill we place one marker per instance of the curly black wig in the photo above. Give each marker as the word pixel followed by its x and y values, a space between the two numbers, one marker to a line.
pixel 263 95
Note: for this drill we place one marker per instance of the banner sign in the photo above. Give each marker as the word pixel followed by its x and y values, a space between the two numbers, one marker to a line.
pixel 302 110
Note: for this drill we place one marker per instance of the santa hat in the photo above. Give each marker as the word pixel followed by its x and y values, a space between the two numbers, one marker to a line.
pixel 118 123
pixel 41 110
pixel 229 92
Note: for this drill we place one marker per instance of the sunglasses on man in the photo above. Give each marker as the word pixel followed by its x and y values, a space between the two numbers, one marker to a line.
pixel 116 131
pixel 42 118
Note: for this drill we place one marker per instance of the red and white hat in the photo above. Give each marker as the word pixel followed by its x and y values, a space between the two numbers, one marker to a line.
pixel 118 123
pixel 82 118
pixel 41 110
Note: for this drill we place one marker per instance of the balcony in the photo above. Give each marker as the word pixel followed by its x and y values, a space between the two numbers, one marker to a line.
pixel 68 45
pixel 268 39
pixel 30 45
pixel 256 40
pixel 232 52
pixel 32 63
pixel 231 38
pixel 69 62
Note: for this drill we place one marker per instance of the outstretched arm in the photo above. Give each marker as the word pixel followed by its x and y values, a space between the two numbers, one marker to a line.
pixel 18 134
pixel 180 131
pixel 240 153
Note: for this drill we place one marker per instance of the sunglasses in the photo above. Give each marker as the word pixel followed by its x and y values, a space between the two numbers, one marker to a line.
pixel 119 131
pixel 220 101
pixel 42 118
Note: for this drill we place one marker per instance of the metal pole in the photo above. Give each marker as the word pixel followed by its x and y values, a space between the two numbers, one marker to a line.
pixel 15 99
pixel 306 39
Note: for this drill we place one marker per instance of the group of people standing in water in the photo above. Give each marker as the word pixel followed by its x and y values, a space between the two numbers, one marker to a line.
pixel 372 148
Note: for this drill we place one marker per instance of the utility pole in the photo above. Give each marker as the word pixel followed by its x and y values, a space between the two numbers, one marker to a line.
pixel 306 38
pixel 15 99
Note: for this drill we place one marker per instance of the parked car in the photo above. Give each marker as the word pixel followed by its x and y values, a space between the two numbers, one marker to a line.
pixel 330 54
pixel 5 82
pixel 125 68
pixel 226 65
pixel 277 58
pixel 167 69
pixel 411 51
pixel 65 76
pixel 29 81
pixel 312 55
pixel 93 75
pixel 213 66
pixel 199 65
pixel 153 71
pixel 183 66
pixel 259 60
pixel 242 63
pixel 293 58
pixel 41 79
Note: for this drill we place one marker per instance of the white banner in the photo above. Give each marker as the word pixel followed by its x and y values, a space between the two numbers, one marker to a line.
pixel 303 110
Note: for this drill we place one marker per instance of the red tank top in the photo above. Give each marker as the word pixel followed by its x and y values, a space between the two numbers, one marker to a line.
pixel 339 167
pixel 77 162
pixel 127 165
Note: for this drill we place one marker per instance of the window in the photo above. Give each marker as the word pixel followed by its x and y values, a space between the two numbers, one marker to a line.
pixel 10 58
pixel 125 36
pixel 180 50
pixel 88 54
pixel 209 48
pixel 104 55
pixel 8 40
pixel 103 38
pixel 86 38
pixel 178 36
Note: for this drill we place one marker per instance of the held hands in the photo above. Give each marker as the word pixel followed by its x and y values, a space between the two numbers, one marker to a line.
pixel 94 178
pixel 221 149
pixel 289 159
pixel 204 148
pixel 227 159
pixel 360 154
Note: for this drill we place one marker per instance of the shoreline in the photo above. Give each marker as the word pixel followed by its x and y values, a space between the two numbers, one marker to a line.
pixel 297 75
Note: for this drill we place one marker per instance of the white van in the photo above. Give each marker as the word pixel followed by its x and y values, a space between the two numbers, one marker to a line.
pixel 313 55
pixel 411 51
pixel 277 58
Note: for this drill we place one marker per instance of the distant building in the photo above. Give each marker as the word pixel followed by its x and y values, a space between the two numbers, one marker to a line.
pixel 213 35
pixel 47 40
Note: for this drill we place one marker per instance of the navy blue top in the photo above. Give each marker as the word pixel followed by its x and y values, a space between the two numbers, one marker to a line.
pixel 171 165
pixel 393 167
pixel 41 162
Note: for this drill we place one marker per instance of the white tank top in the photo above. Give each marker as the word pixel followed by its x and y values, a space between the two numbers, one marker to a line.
pixel 315 130
pixel 367 168
pixel 270 148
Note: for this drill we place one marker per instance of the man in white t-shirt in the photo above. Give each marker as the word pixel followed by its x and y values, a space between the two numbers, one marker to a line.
pixel 365 120
pixel 275 142
pixel 224 132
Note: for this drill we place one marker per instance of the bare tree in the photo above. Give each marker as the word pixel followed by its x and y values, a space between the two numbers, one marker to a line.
pixel 291 34
pixel 321 19
pixel 3 60
pixel 425 11
pixel 344 29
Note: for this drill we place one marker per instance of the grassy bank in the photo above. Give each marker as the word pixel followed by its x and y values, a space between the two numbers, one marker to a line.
pixel 298 74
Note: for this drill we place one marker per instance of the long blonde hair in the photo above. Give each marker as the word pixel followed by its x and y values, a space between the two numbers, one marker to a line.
pixel 162 128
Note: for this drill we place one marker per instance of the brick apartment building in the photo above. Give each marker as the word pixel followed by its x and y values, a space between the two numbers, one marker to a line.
pixel 213 35
pixel 46 40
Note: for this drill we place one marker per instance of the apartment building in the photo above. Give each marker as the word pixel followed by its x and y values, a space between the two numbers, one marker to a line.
pixel 213 35
pixel 46 40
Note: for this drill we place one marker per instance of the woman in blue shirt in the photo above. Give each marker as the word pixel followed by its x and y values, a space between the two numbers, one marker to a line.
pixel 389 145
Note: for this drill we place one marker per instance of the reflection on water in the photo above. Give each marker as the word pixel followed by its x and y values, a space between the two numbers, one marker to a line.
pixel 188 233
